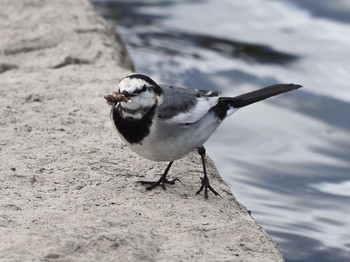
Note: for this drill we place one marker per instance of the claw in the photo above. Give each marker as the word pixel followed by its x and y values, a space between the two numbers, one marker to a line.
pixel 161 182
pixel 205 179
pixel 206 185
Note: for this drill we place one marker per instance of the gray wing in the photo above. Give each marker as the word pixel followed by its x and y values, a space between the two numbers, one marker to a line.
pixel 181 105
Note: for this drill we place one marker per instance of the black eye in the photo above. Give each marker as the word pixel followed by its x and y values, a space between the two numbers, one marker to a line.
pixel 144 88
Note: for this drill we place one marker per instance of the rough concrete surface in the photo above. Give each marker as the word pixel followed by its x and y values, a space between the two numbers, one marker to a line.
pixel 68 186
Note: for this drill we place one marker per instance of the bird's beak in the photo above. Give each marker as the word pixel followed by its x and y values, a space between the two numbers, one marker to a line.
pixel 115 98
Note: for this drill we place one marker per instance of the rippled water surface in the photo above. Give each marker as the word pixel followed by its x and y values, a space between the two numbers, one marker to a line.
pixel 288 158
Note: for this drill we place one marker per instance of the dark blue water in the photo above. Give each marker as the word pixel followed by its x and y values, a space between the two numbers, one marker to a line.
pixel 288 158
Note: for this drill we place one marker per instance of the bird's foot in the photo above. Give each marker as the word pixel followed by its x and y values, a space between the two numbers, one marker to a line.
pixel 206 185
pixel 162 181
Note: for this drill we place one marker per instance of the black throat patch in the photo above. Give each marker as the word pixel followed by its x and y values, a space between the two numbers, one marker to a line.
pixel 132 129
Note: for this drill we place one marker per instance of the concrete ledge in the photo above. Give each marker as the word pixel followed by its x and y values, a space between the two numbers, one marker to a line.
pixel 68 188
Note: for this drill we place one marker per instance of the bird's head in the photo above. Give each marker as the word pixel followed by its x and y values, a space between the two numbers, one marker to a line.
pixel 138 91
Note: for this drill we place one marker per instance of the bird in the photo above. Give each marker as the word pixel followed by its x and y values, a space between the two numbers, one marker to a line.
pixel 166 122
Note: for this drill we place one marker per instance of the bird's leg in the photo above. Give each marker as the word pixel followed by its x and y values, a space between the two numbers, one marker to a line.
pixel 205 179
pixel 162 180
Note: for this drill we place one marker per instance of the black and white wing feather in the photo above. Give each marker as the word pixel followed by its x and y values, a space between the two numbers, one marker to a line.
pixel 184 106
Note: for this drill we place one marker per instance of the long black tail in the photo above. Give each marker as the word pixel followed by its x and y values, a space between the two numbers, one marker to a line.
pixel 258 95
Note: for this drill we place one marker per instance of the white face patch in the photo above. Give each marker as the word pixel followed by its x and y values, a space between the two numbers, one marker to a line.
pixel 139 98
pixel 142 100
pixel 131 85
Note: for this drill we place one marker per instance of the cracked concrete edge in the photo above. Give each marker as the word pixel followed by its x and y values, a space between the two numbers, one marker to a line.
pixel 68 185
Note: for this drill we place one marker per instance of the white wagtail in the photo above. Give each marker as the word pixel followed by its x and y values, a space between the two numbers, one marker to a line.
pixel 165 123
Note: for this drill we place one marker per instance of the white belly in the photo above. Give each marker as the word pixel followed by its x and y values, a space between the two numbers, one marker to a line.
pixel 171 142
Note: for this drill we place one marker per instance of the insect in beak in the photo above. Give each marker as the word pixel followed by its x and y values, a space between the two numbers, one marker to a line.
pixel 115 98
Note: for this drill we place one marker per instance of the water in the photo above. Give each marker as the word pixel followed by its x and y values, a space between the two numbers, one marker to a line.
pixel 288 158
